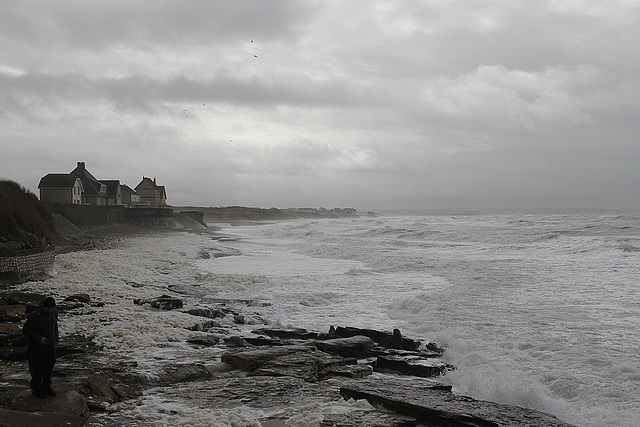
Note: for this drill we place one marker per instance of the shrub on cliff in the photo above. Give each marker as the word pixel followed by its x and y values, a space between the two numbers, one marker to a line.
pixel 23 218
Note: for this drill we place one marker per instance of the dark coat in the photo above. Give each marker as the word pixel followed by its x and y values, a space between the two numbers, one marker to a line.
pixel 41 324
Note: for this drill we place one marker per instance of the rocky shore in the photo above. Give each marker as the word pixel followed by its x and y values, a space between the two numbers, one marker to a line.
pixel 387 378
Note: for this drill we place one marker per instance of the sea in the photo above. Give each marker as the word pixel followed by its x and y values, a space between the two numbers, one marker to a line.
pixel 539 311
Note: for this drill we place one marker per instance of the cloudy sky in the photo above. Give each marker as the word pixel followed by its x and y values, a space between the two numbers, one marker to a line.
pixel 360 103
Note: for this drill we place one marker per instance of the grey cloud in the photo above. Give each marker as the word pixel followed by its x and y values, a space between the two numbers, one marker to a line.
pixel 96 25
pixel 143 92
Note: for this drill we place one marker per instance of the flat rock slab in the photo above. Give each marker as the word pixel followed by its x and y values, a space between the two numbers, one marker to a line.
pixel 428 402
pixel 9 418
pixel 69 403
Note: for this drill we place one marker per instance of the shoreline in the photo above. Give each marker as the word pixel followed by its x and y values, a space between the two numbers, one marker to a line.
pixel 196 375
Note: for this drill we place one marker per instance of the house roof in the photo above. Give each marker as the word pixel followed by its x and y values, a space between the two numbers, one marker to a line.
pixel 58 180
pixel 91 185
pixel 112 186
pixel 126 189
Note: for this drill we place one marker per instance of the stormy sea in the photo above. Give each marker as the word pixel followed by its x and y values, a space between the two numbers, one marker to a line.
pixel 539 311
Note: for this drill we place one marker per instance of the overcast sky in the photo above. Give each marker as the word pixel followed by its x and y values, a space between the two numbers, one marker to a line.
pixel 367 104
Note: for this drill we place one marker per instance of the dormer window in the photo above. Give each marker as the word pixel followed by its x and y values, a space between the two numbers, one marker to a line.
pixel 103 188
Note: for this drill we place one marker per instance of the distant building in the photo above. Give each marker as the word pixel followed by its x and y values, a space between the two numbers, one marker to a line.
pixel 114 191
pixel 151 194
pixel 129 196
pixel 61 188
pixel 95 192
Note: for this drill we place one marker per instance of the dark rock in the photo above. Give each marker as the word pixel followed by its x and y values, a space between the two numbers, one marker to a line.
pixel 164 302
pixel 394 341
pixel 205 326
pixel 251 360
pixel 429 403
pixel 12 313
pixel 288 334
pixel 10 329
pixel 411 364
pixel 369 419
pixel 235 341
pixel 182 373
pixel 356 346
pixel 378 337
pixel 349 371
pixel 51 419
pixel 70 403
pixel 13 354
pixel 114 386
pixel 207 341
pixel 433 347
pixel 312 366
pixel 65 306
pixel 31 301
pixel 73 344
pixel 13 344
pixel 206 312
pixel 264 341
pixel 346 332
pixel 83 298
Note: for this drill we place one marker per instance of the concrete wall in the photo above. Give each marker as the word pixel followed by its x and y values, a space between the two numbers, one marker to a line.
pixel 90 215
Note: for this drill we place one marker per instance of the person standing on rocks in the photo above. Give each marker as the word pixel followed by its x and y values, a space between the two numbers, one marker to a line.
pixel 41 328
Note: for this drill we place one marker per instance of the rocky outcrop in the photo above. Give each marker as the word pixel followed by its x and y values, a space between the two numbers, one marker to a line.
pixel 164 302
pixel 435 404
pixel 287 367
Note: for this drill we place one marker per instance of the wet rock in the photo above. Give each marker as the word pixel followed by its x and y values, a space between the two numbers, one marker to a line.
pixel 394 341
pixel 429 403
pixel 206 341
pixel 312 366
pixel 411 364
pixel 14 354
pixel 114 386
pixel 73 344
pixel 369 419
pixel 31 301
pixel 264 341
pixel 52 419
pixel 235 341
pixel 10 329
pixel 379 337
pixel 356 346
pixel 205 326
pixel 83 298
pixel 206 312
pixel 289 334
pixel 12 313
pixel 346 332
pixel 13 344
pixel 164 302
pixel 182 373
pixel 251 360
pixel 69 402
pixel 278 394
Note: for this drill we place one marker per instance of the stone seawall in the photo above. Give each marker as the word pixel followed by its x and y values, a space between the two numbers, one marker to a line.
pixel 26 265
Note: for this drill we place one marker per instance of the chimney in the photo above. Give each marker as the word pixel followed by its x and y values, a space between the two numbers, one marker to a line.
pixel 154 179
pixel 81 165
